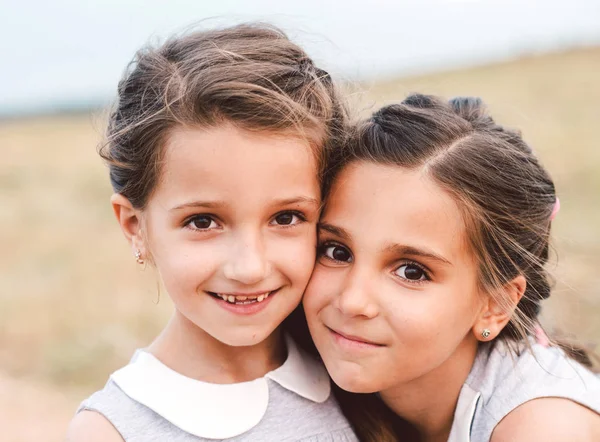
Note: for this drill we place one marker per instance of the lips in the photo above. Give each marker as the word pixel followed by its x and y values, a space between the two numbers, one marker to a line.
pixel 358 340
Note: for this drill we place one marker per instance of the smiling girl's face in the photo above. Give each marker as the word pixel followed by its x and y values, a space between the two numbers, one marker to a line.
pixel 394 295
pixel 231 228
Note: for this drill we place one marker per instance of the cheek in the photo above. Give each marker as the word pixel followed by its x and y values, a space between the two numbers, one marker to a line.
pixel 419 318
pixel 414 316
pixel 183 273
pixel 460 308
pixel 295 257
pixel 323 287
pixel 182 263
pixel 431 326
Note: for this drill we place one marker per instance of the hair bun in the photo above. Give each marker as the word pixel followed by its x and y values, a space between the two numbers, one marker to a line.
pixel 473 110
pixel 420 114
pixel 407 110
pixel 422 101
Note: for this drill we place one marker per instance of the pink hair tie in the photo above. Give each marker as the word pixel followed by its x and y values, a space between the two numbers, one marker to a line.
pixel 541 337
pixel 555 209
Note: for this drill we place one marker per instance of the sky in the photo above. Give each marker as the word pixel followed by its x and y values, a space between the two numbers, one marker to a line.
pixel 71 53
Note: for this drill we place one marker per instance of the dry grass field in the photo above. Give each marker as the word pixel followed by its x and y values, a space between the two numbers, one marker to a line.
pixel 74 306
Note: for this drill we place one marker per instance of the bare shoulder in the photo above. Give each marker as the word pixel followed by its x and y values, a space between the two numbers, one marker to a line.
pixel 90 426
pixel 550 420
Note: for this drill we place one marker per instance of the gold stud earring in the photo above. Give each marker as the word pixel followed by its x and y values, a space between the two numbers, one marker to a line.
pixel 485 333
pixel 138 257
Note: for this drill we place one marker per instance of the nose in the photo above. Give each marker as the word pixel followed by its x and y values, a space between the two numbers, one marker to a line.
pixel 247 261
pixel 355 299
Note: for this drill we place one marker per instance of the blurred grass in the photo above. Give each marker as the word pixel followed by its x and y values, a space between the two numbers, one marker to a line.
pixel 72 302
pixel 74 306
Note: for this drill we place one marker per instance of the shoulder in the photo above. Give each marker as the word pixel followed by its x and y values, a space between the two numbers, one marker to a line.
pixel 108 414
pixel 507 379
pixel 90 426
pixel 540 386
pixel 549 419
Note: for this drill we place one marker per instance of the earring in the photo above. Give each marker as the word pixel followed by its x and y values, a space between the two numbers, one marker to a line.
pixel 485 333
pixel 138 257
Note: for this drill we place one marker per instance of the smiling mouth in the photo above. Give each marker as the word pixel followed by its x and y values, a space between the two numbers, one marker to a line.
pixel 239 299
pixel 354 339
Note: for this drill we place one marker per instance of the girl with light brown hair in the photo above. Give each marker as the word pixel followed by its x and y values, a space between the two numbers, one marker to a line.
pixel 215 149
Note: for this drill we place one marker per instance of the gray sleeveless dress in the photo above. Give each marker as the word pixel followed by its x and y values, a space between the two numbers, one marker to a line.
pixel 500 381
pixel 148 402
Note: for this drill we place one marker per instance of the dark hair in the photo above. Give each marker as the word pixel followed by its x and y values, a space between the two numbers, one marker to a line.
pixel 505 195
pixel 251 76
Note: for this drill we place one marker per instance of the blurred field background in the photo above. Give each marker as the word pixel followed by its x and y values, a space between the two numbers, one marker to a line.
pixel 74 305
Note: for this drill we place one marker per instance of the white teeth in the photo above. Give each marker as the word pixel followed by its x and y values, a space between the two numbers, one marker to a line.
pixel 231 298
pixel 260 298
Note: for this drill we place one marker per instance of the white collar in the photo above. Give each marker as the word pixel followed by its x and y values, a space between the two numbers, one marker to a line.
pixel 218 411
pixel 464 414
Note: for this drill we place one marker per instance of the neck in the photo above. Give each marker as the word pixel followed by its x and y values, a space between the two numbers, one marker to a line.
pixel 190 351
pixel 429 402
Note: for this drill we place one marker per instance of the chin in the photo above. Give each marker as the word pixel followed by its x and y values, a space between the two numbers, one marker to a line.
pixel 245 337
pixel 352 378
pixel 354 385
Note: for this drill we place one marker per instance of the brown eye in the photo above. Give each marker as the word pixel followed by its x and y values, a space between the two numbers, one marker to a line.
pixel 202 222
pixel 411 272
pixel 284 219
pixel 337 253
pixel 287 219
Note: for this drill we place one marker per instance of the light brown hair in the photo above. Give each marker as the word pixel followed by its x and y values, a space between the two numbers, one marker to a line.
pixel 251 76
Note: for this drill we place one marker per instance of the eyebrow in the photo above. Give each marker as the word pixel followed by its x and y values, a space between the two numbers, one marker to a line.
pixel 204 204
pixel 401 249
pixel 296 200
pixel 219 204
pixel 337 231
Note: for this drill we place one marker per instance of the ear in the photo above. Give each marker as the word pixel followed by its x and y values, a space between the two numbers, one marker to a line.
pixel 496 312
pixel 129 219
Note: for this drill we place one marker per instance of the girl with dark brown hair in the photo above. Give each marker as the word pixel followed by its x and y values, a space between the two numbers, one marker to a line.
pixel 429 280
pixel 215 151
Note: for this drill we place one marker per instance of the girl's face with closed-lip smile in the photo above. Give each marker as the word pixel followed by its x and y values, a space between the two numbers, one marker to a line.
pixel 394 295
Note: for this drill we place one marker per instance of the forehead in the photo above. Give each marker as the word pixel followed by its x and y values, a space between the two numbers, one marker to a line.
pixel 382 205
pixel 228 162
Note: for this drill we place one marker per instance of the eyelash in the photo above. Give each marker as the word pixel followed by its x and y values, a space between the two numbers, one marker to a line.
pixel 412 281
pixel 188 221
pixel 325 245
pixel 301 217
